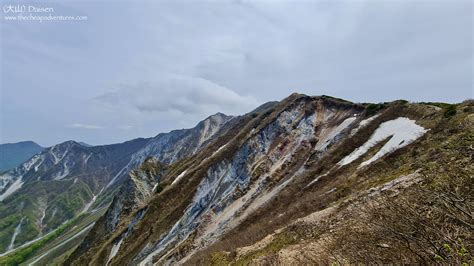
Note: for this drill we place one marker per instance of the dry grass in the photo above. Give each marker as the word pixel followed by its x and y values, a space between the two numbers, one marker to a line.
pixel 427 153
pixel 448 137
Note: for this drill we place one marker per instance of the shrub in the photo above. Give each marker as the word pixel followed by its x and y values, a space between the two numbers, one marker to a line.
pixel 373 108
pixel 450 110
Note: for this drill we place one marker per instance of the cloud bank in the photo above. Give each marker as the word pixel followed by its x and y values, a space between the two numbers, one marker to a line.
pixel 84 126
pixel 181 95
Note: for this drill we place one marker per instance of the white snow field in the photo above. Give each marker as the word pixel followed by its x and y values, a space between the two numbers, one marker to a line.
pixel 402 131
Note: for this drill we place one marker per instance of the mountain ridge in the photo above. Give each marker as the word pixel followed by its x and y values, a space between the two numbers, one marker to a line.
pixel 94 173
pixel 226 189
pixel 283 184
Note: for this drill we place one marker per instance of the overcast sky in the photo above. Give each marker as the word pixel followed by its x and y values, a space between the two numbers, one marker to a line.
pixel 135 69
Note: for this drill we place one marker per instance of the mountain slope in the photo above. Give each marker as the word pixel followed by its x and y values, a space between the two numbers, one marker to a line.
pixel 13 154
pixel 68 179
pixel 56 185
pixel 278 173
pixel 412 206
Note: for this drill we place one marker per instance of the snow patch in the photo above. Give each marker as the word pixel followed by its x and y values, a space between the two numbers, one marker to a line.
pixel 89 204
pixel 57 158
pixel 364 123
pixel 63 173
pixel 39 164
pixel 55 210
pixel 330 134
pixel 5 180
pixel 316 179
pixel 14 187
pixel 28 164
pixel 402 131
pixel 114 251
pixel 94 198
pixel 87 158
pixel 15 234
pixel 178 177
pixel 119 173
pixel 43 205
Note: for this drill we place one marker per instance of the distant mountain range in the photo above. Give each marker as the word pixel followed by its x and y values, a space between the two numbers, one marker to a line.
pixel 71 178
pixel 306 180
pixel 13 154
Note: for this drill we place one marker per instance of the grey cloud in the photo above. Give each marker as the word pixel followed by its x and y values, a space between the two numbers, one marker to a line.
pixel 176 93
pixel 227 56
pixel 85 126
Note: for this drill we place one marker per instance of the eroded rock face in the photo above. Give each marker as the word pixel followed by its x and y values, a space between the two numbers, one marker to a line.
pixel 256 159
pixel 132 196
pixel 249 170
pixel 233 188
pixel 175 145
pixel 226 180
pixel 135 191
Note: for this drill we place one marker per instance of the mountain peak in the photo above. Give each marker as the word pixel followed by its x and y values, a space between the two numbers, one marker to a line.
pixel 219 116
pixel 68 143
